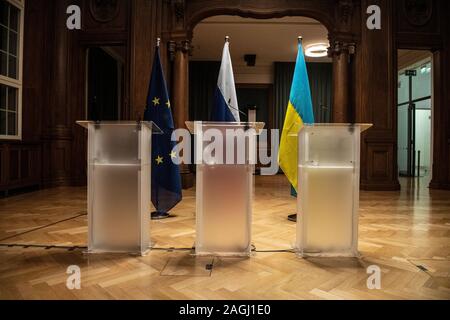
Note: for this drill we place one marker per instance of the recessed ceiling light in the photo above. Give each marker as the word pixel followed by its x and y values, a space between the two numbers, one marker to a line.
pixel 317 50
pixel 426 68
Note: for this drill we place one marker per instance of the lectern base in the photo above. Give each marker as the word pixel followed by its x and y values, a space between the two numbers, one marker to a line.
pixel 292 217
pixel 160 215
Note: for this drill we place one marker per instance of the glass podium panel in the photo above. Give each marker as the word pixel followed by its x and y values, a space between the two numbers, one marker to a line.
pixel 224 189
pixel 119 181
pixel 328 201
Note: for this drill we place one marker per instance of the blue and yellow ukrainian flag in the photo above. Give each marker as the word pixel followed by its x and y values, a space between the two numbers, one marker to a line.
pixel 299 112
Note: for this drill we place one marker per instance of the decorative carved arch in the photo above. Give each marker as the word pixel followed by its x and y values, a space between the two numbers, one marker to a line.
pixel 320 16
pixel 336 15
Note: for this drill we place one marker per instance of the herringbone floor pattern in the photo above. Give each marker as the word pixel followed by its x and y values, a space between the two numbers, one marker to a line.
pixel 406 233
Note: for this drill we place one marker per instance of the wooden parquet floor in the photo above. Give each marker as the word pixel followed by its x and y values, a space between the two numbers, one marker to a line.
pixel 407 234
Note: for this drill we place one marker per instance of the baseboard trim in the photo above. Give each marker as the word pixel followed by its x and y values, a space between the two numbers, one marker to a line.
pixel 376 186
pixel 439 185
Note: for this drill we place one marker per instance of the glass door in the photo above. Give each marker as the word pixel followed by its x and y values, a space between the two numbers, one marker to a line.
pixel 414 121
pixel 423 137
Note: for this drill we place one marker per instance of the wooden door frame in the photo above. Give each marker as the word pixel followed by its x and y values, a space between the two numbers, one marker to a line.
pixel 437 109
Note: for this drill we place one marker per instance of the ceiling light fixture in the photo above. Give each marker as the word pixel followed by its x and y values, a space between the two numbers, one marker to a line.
pixel 317 50
pixel 426 68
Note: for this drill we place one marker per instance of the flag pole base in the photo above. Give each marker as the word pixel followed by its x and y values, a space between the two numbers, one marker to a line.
pixel 292 217
pixel 159 215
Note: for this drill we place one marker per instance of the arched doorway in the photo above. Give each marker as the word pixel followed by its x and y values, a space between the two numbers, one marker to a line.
pixel 340 38
pixel 263 54
pixel 342 46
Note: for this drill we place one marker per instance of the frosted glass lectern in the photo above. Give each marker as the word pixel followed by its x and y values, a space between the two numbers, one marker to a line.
pixel 119 178
pixel 328 184
pixel 224 189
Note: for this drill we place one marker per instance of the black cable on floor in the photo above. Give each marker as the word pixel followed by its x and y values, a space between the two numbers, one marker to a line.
pixel 73 248
pixel 42 246
pixel 275 251
pixel 42 227
pixel 272 250
pixel 172 249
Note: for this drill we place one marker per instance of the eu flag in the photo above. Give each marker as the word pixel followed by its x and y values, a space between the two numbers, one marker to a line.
pixel 166 179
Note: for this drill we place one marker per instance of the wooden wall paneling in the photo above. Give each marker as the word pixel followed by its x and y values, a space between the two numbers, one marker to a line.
pixel 20 165
pixel 380 159
pixel 429 30
pixel 20 161
pixel 445 106
pixel 376 74
pixel 3 182
pixel 54 62
pixel 45 117
pixel 105 17
pixel 34 68
pixel 323 10
pixel 441 109
pixel 30 165
pixel 414 31
pixel 149 21
pixel 105 24
pixel 24 163
pixel 14 165
pixel 57 133
pixel 439 121
pixel 77 100
pixel 187 14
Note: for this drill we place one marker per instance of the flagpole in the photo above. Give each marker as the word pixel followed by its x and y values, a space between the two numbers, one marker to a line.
pixel 293 217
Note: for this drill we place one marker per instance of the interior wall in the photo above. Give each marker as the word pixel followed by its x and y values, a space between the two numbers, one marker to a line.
pixel 21 161
pixel 269 40
pixel 53 147
pixel 254 75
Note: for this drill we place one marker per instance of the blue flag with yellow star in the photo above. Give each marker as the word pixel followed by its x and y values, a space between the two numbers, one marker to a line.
pixel 166 179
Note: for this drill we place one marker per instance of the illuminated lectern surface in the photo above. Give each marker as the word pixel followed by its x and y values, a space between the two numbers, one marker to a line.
pixel 119 184
pixel 329 178
pixel 224 191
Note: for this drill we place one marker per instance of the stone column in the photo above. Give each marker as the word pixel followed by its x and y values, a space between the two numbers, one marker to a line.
pixel 179 55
